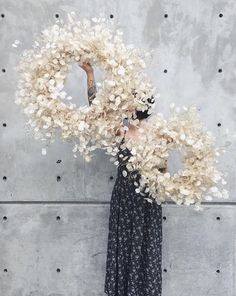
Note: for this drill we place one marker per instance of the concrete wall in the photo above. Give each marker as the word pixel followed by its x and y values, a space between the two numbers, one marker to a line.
pixel 54 209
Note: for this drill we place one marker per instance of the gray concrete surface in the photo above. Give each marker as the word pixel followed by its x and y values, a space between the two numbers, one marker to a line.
pixel 42 255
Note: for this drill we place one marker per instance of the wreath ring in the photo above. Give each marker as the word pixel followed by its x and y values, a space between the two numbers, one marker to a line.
pixel 43 72
pixel 198 179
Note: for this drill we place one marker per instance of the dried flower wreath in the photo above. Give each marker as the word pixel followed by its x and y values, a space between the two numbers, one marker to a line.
pixel 43 71
pixel 199 177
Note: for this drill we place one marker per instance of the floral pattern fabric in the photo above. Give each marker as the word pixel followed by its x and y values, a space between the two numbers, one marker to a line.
pixel 134 250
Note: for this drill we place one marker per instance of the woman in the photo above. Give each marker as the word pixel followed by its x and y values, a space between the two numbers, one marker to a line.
pixel 134 250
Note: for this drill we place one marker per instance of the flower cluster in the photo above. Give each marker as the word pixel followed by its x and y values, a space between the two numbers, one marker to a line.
pixel 43 71
pixel 198 179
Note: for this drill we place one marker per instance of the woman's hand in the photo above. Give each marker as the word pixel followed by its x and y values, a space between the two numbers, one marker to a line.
pixel 87 67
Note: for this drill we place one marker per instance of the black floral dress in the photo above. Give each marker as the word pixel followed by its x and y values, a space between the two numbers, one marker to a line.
pixel 134 250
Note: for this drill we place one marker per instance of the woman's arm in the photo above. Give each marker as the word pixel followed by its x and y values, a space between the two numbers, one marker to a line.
pixel 91 86
pixel 90 81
